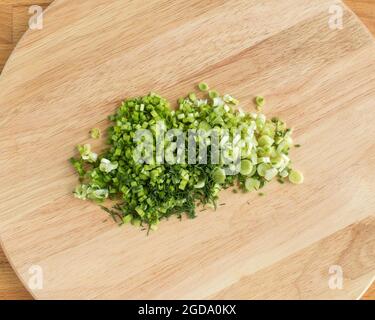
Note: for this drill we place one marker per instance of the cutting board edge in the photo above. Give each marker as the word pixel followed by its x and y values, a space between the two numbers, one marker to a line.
pixel 10 62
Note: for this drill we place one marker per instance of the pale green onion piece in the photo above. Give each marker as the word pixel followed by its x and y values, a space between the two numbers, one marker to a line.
pixel 246 167
pixel 218 102
pixel 260 121
pixel 253 171
pixel 216 189
pixel 95 133
pixel 107 166
pixel 270 174
pixel 213 94
pixel 183 184
pixel 284 173
pixel 200 184
pixel 203 86
pixel 140 211
pixel 99 194
pixel 85 192
pixel 262 169
pixel 229 99
pixel 136 222
pixel 252 184
pixel 127 218
pixel 204 126
pixel 265 141
pixel 260 101
pixel 81 192
pixel 87 154
pixel 296 177
pixel 264 160
pixel 192 97
pixel 219 176
pixel 154 227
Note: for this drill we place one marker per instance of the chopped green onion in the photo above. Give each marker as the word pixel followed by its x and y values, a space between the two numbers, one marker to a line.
pixel 270 174
pixel 219 176
pixel 95 133
pixel 260 101
pixel 192 97
pixel 246 167
pixel 136 222
pixel 87 154
pixel 213 94
pixel 154 227
pixel 203 86
pixel 296 177
pixel 252 184
pixel 265 141
pixel 147 191
pixel 128 218
pixel 262 169
pixel 200 184
pixel 107 166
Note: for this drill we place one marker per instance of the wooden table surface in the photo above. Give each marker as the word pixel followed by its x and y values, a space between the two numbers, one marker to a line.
pixel 13 21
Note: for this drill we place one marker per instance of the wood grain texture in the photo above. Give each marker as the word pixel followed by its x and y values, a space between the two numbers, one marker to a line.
pixel 12 25
pixel 365 9
pixel 356 243
pixel 353 249
pixel 14 19
pixel 10 286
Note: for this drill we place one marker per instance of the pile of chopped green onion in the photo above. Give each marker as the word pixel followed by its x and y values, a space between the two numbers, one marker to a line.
pixel 145 193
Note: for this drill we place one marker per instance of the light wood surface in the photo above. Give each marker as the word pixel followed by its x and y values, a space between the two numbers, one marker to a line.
pixel 279 246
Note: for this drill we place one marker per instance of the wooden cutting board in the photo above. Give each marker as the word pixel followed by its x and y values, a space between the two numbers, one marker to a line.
pixel 67 78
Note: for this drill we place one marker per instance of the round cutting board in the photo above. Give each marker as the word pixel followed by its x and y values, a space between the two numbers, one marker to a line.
pixel 310 241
